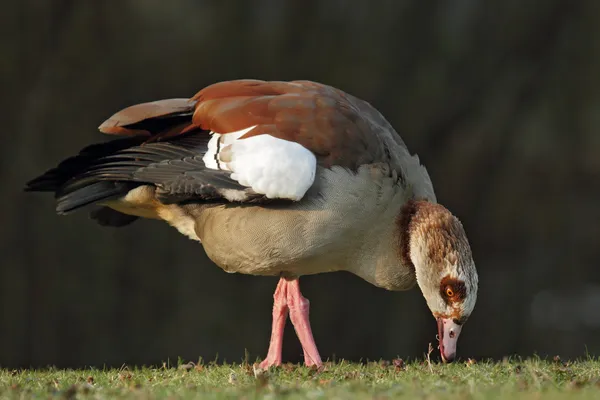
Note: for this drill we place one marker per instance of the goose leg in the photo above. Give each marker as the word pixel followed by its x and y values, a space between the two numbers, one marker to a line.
pixel 280 313
pixel 299 308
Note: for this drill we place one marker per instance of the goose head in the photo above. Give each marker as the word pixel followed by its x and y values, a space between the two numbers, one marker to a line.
pixel 438 248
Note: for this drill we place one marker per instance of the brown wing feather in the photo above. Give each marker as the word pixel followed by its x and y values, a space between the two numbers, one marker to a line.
pixel 246 87
pixel 338 128
pixel 323 119
pixel 124 122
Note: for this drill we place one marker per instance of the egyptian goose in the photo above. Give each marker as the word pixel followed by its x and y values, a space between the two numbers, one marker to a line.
pixel 285 179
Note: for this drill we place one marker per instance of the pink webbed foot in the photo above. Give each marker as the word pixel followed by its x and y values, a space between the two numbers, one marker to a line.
pixel 299 310
pixel 280 313
pixel 288 298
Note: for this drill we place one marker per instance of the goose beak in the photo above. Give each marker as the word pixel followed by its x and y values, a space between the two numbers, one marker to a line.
pixel 448 332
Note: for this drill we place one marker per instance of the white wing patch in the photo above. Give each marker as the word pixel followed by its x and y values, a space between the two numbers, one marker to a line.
pixel 274 167
pixel 217 143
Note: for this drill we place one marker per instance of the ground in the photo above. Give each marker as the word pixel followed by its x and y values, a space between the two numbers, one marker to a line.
pixel 514 379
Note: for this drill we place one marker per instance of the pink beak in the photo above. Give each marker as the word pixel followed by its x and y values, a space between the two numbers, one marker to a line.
pixel 448 332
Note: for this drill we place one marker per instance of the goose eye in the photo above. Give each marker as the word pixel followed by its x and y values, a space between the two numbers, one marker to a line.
pixel 452 290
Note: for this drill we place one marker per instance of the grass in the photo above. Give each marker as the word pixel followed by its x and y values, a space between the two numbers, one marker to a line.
pixel 515 379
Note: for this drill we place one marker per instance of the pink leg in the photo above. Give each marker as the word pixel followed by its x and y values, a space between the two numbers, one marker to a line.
pixel 280 313
pixel 299 307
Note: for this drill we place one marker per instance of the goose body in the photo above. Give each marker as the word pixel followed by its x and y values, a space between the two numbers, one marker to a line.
pixel 285 179
pixel 322 233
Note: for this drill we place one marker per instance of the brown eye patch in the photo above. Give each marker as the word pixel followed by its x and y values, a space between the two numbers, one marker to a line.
pixel 452 290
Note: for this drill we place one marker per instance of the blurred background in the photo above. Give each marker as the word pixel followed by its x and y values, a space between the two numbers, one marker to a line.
pixel 501 100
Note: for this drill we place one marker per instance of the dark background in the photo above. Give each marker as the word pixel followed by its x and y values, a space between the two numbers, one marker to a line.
pixel 500 99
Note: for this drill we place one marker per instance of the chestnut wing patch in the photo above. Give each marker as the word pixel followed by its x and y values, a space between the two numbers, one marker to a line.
pixel 336 127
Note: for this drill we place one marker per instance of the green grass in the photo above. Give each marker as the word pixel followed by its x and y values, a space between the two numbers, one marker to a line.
pixel 513 379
